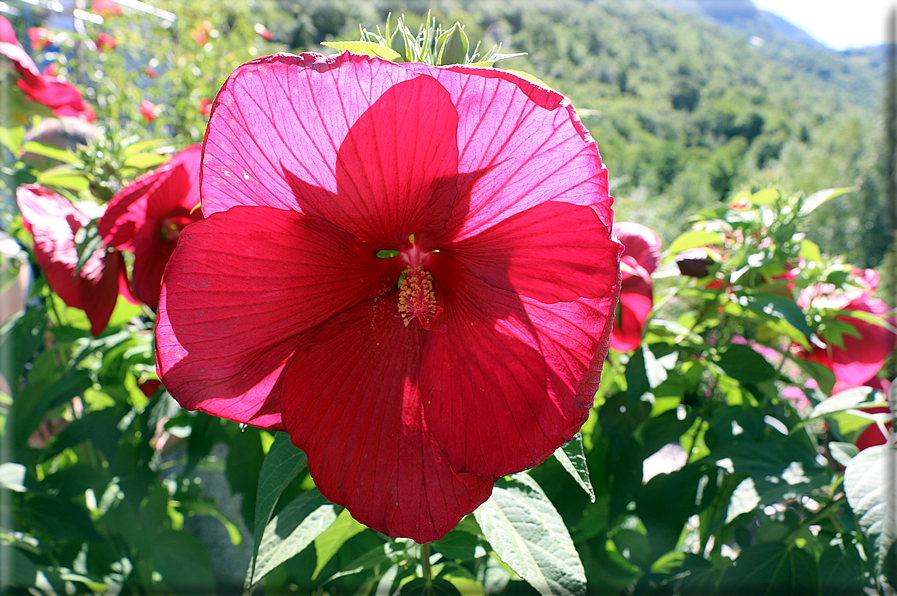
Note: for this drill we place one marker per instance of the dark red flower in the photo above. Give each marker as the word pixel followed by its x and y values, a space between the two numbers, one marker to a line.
pixel 873 434
pixel 148 215
pixel 641 256
pixel 694 262
pixel 105 42
pixel 53 221
pixel 61 97
pixel 410 269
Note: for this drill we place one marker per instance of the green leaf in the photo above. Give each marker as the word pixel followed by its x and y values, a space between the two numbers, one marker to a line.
pixel 293 529
pixel 573 459
pixel 11 135
pixel 330 542
pixel 816 199
pixel 849 399
pixel 435 587
pixel 364 47
pixel 772 569
pixel 528 534
pixel 841 569
pixel 843 452
pixel 454 46
pixel 64 176
pixel 779 307
pixel 694 240
pixel 745 365
pixel 282 464
pixel 12 477
pixel 145 161
pixel 56 153
pixel 868 496
pixel 767 196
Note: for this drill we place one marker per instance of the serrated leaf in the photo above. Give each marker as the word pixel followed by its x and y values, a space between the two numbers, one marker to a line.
pixel 364 47
pixel 811 203
pixel 848 399
pixel 282 464
pixel 528 534
pixel 867 495
pixel 573 459
pixel 56 153
pixel 292 530
pixel 694 240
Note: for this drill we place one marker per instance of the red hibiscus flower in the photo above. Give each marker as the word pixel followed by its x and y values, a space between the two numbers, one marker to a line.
pixel 410 269
pixel 53 221
pixel 148 215
pixel 149 111
pixel 860 358
pixel 641 257
pixel 61 97
pixel 105 42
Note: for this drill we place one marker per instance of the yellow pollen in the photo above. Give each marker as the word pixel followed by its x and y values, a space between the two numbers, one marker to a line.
pixel 417 299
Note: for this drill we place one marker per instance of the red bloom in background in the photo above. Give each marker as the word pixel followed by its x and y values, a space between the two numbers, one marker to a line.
pixel 105 42
pixel 61 97
pixel 148 215
pixel 205 107
pixel 410 269
pixel 149 110
pixel 105 8
pixel 860 358
pixel 40 37
pixel 200 34
pixel 53 221
pixel 641 256
pixel 263 31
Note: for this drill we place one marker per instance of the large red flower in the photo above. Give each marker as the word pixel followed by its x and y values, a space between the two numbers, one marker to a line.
pixel 148 215
pixel 410 269
pixel 862 356
pixel 61 97
pixel 53 221
pixel 641 257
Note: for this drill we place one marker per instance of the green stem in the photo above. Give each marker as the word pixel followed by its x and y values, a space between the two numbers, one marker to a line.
pixel 425 561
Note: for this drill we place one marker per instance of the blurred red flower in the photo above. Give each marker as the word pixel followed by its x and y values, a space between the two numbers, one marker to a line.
pixel 263 31
pixel 105 8
pixel 105 42
pixel 61 97
pixel 410 269
pixel 53 222
pixel 200 34
pixel 641 256
pixel 205 107
pixel 149 111
pixel 147 217
pixel 40 37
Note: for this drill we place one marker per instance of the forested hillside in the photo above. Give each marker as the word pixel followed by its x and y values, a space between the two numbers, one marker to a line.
pixel 686 108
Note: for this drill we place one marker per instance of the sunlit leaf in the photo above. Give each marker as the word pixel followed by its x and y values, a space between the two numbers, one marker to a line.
pixel 869 496
pixel 573 459
pixel 364 47
pixel 811 203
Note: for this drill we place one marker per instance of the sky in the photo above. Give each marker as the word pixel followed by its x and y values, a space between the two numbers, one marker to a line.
pixel 837 23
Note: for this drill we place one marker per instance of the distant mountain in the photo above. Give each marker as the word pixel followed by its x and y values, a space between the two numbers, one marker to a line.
pixel 789 29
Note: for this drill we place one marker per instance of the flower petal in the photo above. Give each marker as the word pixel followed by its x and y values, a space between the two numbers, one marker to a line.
pixel 500 386
pixel 53 221
pixel 862 357
pixel 151 254
pixel 396 169
pixel 240 289
pixel 286 113
pixel 527 143
pixel 641 242
pixel 98 287
pixel 351 402
pixel 636 301
pixel 552 252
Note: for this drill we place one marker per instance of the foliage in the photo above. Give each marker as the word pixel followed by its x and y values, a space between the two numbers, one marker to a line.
pixel 698 470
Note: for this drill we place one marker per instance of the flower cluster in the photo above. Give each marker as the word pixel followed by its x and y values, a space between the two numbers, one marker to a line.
pixel 410 269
